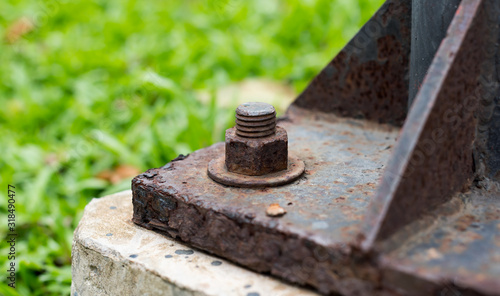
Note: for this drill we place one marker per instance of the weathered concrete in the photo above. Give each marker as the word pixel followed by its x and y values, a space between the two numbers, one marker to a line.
pixel 113 256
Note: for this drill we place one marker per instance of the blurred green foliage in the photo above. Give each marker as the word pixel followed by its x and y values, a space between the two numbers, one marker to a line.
pixel 98 83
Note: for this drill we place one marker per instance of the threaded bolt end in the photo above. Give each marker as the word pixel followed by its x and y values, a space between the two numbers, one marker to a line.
pixel 255 120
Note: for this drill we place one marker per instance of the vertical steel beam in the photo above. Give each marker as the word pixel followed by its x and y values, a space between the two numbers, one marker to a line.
pixel 430 20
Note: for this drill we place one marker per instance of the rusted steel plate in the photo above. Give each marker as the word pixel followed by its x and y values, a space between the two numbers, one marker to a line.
pixel 369 77
pixel 311 244
pixel 433 157
pixel 459 251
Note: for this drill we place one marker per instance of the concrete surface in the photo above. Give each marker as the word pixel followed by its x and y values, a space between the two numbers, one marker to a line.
pixel 113 256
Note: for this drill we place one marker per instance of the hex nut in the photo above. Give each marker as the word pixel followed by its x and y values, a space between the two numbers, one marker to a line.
pixel 256 156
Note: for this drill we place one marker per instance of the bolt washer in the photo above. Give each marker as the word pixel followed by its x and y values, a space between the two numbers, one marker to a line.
pixel 218 172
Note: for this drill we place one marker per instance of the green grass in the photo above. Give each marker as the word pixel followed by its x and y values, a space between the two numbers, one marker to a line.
pixel 101 83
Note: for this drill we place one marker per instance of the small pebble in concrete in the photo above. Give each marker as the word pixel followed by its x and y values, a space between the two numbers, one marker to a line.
pixel 113 208
pixel 109 234
pixel 247 286
pixel 168 256
pixel 184 252
pixel 133 256
pixel 216 263
pixel 253 294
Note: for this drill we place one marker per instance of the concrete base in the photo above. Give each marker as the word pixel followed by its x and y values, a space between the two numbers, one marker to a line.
pixel 113 256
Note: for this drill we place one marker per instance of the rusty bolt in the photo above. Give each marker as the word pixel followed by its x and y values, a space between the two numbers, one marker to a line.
pixel 256 146
pixel 256 151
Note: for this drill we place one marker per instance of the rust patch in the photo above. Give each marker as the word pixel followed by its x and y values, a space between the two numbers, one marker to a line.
pixel 256 156
pixel 464 222
pixel 369 77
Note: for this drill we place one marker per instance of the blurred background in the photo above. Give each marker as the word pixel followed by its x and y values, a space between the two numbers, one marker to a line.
pixel 94 92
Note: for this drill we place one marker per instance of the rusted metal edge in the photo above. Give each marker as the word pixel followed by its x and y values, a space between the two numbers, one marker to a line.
pixel 368 79
pixel 433 156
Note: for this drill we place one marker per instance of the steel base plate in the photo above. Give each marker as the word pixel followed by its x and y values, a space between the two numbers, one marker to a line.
pixel 310 244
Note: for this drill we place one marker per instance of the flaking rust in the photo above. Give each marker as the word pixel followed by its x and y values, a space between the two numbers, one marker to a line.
pixel 256 156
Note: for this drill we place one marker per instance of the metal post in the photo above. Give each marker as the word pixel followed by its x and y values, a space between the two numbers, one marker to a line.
pixel 430 20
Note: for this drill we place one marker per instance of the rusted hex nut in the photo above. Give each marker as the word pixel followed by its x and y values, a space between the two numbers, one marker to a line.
pixel 256 156
pixel 256 151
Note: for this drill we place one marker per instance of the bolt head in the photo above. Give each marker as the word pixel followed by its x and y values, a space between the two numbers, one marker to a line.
pixel 256 156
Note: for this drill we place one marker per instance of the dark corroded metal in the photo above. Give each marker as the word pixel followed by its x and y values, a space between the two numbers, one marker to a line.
pixel 381 209
pixel 430 21
pixel 369 77
pixel 486 152
pixel 433 157
pixel 256 156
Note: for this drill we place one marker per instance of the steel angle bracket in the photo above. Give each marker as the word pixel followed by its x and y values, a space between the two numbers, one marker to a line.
pixel 401 192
